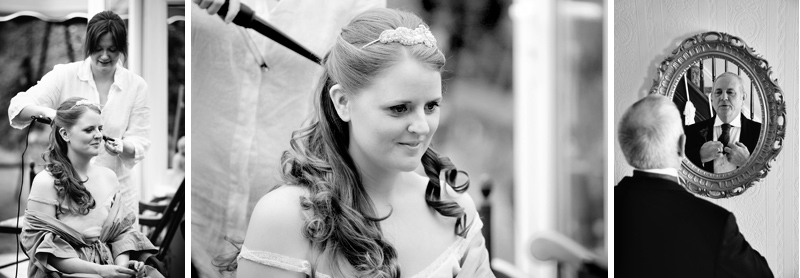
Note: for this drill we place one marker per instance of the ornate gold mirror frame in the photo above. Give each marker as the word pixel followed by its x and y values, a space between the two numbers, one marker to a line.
pixel 773 126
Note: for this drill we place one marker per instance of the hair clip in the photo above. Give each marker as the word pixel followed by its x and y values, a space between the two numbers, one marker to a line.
pixel 405 36
pixel 85 102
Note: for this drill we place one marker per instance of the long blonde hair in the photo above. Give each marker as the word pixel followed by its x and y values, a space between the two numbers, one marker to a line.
pixel 69 188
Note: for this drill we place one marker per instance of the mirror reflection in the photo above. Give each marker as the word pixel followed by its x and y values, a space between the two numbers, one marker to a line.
pixel 722 114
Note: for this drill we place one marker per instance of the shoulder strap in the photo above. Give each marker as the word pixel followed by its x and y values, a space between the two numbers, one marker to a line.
pixel 46 201
pixel 278 261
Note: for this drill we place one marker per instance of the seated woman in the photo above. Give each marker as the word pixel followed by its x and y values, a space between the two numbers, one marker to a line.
pixel 75 222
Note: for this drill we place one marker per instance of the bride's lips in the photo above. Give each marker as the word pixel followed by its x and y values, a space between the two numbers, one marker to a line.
pixel 413 144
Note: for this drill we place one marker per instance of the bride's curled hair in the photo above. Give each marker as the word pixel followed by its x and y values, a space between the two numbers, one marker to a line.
pixel 69 188
pixel 343 222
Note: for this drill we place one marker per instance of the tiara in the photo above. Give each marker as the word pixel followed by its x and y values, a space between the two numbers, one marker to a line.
pixel 85 102
pixel 405 36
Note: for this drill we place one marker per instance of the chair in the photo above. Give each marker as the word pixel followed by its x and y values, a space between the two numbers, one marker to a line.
pixel 167 223
pixel 168 214
pixel 565 251
pixel 9 226
pixel 553 246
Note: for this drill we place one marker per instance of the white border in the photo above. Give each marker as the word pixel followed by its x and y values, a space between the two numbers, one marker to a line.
pixel 610 132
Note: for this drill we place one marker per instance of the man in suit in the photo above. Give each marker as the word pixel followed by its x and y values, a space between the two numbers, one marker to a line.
pixel 661 229
pixel 725 142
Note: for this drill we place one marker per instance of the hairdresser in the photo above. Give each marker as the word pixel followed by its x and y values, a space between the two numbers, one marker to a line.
pixel 100 78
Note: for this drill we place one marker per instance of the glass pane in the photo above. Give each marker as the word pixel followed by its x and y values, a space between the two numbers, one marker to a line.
pixel 581 183
pixel 176 55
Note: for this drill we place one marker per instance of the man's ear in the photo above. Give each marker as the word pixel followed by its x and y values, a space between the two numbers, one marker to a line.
pixel 682 146
pixel 63 132
pixel 341 101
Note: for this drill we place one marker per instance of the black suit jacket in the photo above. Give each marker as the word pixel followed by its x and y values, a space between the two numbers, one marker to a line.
pixel 702 132
pixel 661 230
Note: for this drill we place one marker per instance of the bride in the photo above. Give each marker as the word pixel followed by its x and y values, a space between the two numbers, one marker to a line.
pixel 75 222
pixel 352 204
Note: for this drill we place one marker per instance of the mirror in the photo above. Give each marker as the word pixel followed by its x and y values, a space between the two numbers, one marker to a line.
pixel 714 85
pixel 725 92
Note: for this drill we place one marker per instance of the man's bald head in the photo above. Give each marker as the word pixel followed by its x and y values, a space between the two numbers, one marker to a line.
pixel 651 134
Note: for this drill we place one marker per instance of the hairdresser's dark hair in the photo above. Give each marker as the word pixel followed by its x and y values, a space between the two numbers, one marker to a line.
pixel 344 223
pixel 102 23
pixel 69 188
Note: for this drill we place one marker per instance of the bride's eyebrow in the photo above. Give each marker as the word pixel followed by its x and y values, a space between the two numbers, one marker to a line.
pixel 404 101
pixel 398 102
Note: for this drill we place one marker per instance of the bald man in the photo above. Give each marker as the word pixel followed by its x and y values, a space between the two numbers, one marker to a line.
pixel 661 229
pixel 725 142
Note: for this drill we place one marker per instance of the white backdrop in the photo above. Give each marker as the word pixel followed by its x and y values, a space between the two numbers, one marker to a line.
pixel 645 32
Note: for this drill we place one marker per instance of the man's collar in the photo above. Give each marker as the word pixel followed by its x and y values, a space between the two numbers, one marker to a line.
pixel 668 174
pixel 665 171
pixel 737 122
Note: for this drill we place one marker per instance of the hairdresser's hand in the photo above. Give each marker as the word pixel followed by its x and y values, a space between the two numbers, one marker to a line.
pixel 138 267
pixel 114 146
pixel 212 6
pixel 51 114
pixel 48 112
pixel 114 271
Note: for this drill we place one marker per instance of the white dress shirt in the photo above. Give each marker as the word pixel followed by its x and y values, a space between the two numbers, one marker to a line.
pixel 722 164
pixel 664 171
pixel 125 114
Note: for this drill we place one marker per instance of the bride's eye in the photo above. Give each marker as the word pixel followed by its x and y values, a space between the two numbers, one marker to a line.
pixel 431 107
pixel 398 109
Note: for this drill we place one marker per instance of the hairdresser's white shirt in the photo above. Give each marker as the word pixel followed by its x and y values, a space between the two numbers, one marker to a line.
pixel 125 114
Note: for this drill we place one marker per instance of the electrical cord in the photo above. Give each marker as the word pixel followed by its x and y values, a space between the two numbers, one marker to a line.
pixel 22 182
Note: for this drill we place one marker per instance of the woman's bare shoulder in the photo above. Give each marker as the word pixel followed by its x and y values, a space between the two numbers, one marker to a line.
pixel 277 222
pixel 284 198
pixel 108 177
pixel 43 185
pixel 105 172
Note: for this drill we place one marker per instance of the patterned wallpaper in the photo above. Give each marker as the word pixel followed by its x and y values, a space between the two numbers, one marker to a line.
pixel 646 31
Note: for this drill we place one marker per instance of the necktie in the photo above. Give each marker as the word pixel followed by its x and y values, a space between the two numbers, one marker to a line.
pixel 726 135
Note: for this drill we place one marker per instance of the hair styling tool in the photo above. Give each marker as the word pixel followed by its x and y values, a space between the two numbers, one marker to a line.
pixel 248 19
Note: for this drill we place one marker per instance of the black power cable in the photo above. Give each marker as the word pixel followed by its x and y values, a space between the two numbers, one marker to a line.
pixel 40 119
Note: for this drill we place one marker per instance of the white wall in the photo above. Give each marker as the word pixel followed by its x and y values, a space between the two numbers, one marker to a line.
pixel 646 31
